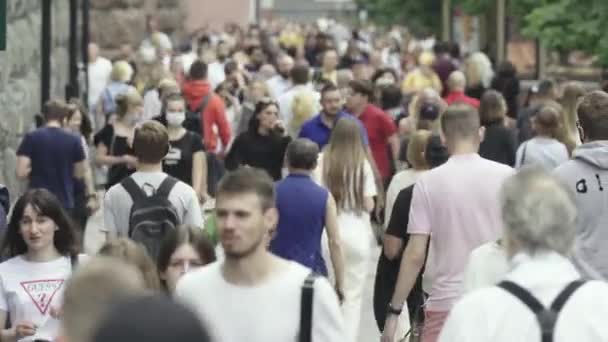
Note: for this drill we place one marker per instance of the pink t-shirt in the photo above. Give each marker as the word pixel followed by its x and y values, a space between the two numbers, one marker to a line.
pixel 457 204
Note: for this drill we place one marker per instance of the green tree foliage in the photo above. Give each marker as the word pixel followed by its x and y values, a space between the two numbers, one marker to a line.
pixel 562 25
pixel 418 15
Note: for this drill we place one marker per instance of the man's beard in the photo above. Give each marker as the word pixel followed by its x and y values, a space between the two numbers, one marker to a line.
pixel 246 253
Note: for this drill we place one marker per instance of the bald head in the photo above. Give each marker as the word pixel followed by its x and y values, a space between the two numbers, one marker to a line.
pixel 302 154
pixel 457 81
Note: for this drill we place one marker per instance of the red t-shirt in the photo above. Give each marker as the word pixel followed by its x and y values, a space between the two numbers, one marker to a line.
pixel 460 97
pixel 380 127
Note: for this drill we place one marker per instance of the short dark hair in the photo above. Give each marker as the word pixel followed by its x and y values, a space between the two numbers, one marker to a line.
pixel 546 88
pixel 329 87
pixel 460 121
pixel 302 153
pixel 492 108
pixel 191 235
pixel 151 142
pixel 46 204
pixel 198 70
pixel 248 180
pixel 390 96
pixel 593 115
pixel 300 74
pixel 362 87
pixel 54 110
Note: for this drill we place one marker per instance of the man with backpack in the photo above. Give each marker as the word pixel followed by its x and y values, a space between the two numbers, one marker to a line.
pixel 148 204
pixel 206 110
pixel 542 297
pixel 254 295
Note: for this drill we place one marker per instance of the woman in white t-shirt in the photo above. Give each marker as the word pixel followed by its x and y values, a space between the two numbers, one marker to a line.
pixel 41 245
pixel 347 174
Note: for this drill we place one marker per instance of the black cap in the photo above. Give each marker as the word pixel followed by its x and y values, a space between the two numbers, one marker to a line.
pixel 150 319
pixel 436 153
pixel 429 111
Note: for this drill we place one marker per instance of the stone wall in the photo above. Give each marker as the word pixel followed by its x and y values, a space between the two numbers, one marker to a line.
pixel 20 75
pixel 116 22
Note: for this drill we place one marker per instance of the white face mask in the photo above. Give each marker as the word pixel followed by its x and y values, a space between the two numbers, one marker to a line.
pixel 175 119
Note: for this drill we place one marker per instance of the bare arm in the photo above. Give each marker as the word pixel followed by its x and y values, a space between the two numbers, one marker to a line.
pixel 199 173
pixel 392 246
pixel 335 244
pixel 24 167
pixel 395 143
pixel 102 156
pixel 411 264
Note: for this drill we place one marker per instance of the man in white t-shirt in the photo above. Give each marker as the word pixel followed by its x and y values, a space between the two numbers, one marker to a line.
pixel 458 204
pixel 99 70
pixel 150 144
pixel 280 83
pixel 254 295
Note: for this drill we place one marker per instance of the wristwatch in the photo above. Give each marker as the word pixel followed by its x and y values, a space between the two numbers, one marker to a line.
pixel 393 311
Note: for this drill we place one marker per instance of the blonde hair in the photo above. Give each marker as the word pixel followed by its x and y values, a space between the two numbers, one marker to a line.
pixel 573 94
pixel 478 70
pixel 343 165
pixel 426 58
pixel 121 71
pixel 416 148
pixel 303 108
pixel 126 101
pixel 136 255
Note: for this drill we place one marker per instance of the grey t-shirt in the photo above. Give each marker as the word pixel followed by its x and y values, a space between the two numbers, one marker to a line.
pixel 118 203
pixel 546 152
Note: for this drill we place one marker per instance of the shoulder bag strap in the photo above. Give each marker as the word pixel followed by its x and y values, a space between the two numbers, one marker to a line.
pixel 305 334
pixel 166 186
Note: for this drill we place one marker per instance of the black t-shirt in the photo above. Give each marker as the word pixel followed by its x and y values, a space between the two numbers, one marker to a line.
pixel 388 270
pixel 117 146
pixel 255 150
pixel 178 162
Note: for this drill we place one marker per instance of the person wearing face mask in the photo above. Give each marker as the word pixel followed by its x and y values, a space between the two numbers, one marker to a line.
pixel 114 141
pixel 186 158
pixel 184 249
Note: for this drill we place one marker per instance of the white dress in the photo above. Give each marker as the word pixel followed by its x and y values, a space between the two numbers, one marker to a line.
pixel 357 239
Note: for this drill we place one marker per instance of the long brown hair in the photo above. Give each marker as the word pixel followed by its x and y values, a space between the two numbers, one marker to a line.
pixel 343 164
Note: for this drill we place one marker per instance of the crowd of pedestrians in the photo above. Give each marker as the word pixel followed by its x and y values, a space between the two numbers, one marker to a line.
pixel 247 174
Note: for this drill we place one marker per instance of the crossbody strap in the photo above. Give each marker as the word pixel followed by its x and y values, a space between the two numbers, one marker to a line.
pixel 523 154
pixel 546 317
pixel 305 334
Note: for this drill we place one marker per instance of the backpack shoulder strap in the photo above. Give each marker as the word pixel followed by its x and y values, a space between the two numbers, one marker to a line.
pixel 136 193
pixel 74 261
pixel 305 334
pixel 566 293
pixel 546 319
pixel 166 186
pixel 523 154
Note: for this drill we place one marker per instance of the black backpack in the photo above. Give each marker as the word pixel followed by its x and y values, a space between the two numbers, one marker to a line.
pixel 152 217
pixel 193 121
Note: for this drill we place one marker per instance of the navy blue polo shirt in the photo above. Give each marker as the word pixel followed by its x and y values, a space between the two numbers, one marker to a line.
pixel 315 130
pixel 53 152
